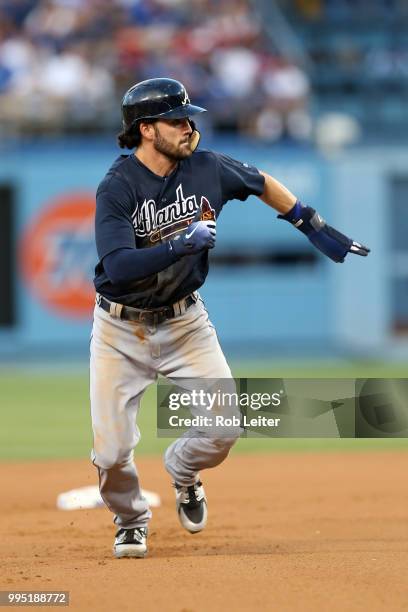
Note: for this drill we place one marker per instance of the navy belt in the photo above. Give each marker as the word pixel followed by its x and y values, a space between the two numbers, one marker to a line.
pixel 152 316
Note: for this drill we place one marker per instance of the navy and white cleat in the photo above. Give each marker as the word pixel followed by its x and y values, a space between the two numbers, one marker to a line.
pixel 191 505
pixel 130 543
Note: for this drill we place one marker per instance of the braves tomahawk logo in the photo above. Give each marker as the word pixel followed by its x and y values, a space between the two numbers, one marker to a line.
pixel 160 224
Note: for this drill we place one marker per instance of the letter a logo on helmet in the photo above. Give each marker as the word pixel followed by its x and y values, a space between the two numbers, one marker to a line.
pixel 186 99
pixel 157 99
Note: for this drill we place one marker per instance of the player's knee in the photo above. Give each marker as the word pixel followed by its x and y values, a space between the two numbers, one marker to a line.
pixel 109 461
pixel 228 439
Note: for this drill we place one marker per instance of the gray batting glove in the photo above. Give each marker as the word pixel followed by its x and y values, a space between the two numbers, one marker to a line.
pixel 197 237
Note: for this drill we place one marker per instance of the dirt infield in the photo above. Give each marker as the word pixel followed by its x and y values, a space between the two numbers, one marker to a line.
pixel 286 532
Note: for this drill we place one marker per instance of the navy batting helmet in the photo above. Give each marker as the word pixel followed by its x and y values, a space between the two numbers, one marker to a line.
pixel 156 99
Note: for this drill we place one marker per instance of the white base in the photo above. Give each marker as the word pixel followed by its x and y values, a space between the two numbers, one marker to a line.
pixel 89 497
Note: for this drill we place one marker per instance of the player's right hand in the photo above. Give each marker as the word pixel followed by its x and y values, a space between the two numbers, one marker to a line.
pixel 197 237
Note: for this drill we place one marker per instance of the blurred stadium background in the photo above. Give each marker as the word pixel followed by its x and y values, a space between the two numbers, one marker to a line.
pixel 312 91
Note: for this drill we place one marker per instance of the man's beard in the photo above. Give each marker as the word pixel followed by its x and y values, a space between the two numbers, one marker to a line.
pixel 168 149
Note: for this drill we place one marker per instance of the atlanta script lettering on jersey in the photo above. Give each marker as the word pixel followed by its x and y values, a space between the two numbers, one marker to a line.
pixel 147 219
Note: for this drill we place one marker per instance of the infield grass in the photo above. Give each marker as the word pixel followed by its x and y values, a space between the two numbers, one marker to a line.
pixel 45 414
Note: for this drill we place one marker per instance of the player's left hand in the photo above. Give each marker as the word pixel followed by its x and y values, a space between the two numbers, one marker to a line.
pixel 328 240
pixel 199 236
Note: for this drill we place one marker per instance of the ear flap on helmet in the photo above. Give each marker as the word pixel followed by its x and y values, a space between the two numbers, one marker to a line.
pixel 195 136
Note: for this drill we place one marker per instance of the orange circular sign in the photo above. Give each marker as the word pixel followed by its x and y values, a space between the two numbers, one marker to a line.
pixel 57 254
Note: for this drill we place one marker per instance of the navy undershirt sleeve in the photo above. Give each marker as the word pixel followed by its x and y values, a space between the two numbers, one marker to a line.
pixel 113 219
pixel 126 265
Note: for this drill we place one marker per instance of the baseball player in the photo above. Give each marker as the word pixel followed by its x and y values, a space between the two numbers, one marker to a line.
pixel 156 215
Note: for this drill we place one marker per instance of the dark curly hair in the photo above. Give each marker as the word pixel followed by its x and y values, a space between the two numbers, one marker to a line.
pixel 131 138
